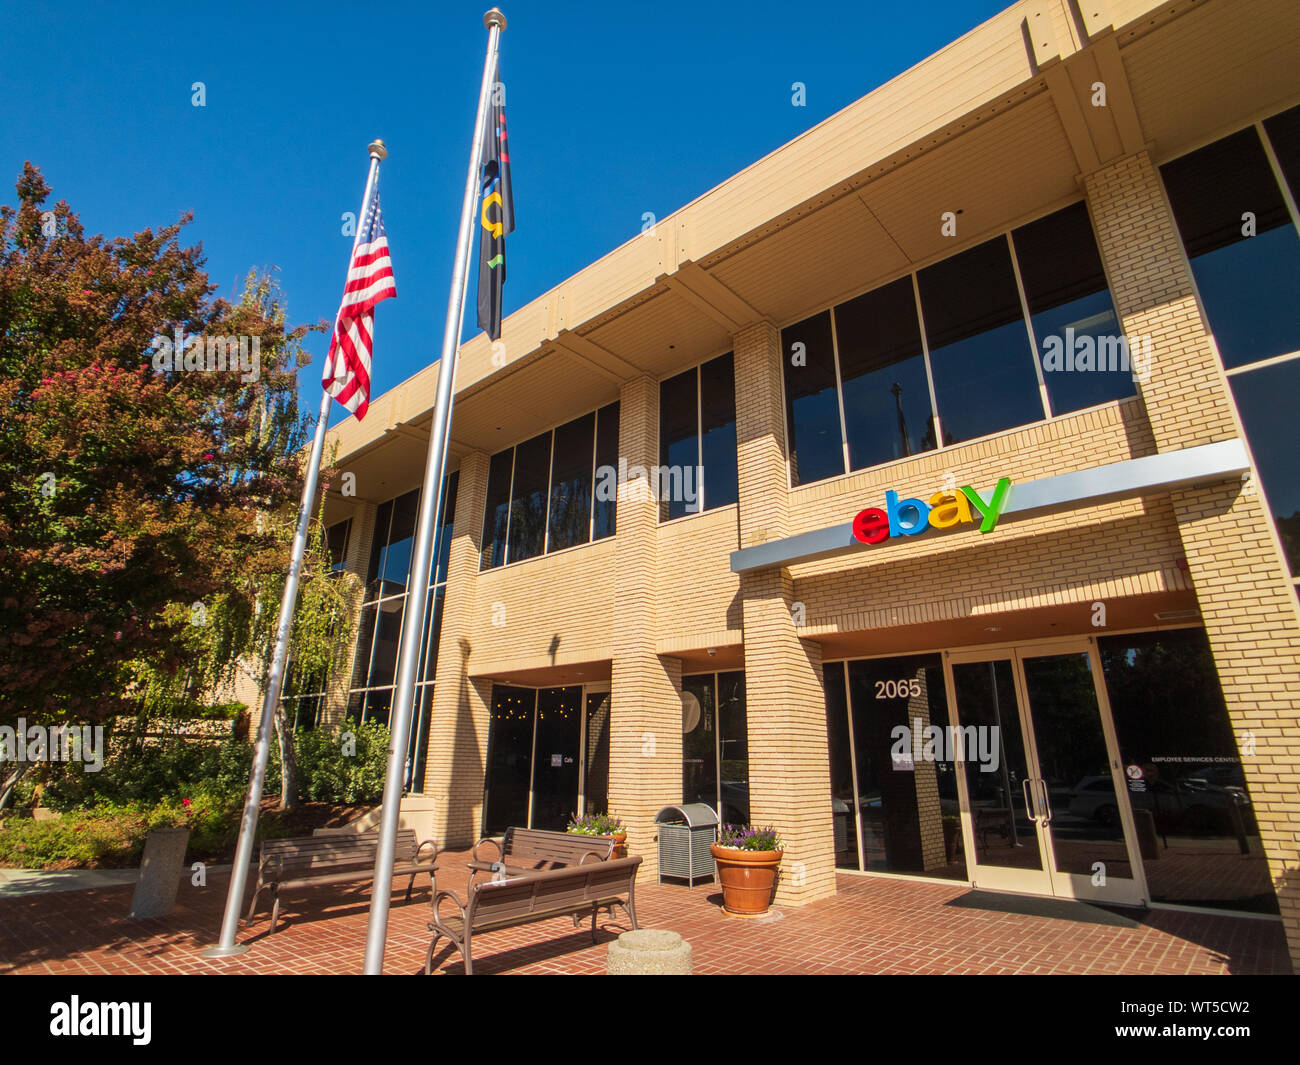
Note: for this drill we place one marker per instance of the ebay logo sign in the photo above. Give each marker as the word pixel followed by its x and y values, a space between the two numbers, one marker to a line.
pixel 908 517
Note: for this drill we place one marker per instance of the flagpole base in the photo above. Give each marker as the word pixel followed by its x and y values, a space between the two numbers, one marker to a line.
pixel 225 952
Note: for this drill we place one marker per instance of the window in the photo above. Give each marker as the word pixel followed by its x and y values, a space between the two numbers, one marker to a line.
pixel 528 498
pixel 718 431
pixel 984 378
pixel 812 407
pixel 571 472
pixel 1266 401
pixel 679 442
pixel 304 697
pixel 1085 359
pixel 887 816
pixel 715 744
pixel 382 616
pixel 1170 719
pixel 947 355
pixel 336 543
pixel 886 392
pixel 555 491
pixel 1249 287
pixel 605 509
pixel 697 440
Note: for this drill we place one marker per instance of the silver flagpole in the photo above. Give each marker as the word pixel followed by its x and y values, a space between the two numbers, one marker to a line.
pixel 227 947
pixel 430 504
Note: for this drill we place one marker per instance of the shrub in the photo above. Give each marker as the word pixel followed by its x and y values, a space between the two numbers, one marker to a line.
pixel 152 773
pixel 596 825
pixel 113 835
pixel 326 774
pixel 748 838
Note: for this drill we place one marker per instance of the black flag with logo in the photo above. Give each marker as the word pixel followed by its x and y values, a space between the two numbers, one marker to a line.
pixel 496 214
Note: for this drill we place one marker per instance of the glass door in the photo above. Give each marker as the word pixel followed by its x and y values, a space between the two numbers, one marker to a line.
pixel 557 751
pixel 1001 811
pixel 1041 808
pixel 1087 818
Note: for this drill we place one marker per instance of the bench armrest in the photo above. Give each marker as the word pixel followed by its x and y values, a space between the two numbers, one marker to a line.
pixel 427 843
pixel 447 893
pixel 501 852
pixel 591 854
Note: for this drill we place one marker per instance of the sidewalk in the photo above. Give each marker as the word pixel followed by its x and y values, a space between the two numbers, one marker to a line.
pixel 873 925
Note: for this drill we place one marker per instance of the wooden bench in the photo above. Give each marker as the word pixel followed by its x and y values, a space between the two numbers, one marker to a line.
pixel 530 850
pixel 572 890
pixel 335 858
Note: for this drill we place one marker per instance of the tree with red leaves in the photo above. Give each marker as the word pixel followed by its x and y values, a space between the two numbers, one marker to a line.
pixel 128 488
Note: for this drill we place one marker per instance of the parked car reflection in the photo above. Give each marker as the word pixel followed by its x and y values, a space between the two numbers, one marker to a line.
pixel 1198 804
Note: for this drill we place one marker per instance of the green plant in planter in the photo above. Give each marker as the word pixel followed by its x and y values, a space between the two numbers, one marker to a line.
pixel 596 825
pixel 749 838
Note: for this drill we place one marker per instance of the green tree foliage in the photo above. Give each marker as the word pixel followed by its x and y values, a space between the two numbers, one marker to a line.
pixel 128 493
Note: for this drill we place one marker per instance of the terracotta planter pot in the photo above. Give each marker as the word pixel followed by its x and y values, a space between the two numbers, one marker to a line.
pixel 748 878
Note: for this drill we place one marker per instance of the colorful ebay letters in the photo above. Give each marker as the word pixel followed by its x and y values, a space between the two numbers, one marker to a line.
pixel 907 517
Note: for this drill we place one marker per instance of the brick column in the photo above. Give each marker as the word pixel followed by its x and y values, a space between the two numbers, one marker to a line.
pixel 1248 606
pixel 645 758
pixel 458 729
pixel 789 765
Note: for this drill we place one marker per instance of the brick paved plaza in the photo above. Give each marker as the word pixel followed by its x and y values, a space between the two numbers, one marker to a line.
pixel 872 925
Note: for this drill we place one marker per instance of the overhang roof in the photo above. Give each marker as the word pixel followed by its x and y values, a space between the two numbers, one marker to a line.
pixel 997 127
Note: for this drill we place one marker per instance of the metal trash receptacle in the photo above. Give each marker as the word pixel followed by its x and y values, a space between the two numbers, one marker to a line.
pixel 685 833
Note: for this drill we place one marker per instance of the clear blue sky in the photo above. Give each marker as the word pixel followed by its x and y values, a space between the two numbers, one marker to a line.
pixel 615 109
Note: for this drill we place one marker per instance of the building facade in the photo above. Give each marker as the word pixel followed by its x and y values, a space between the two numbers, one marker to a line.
pixel 928 490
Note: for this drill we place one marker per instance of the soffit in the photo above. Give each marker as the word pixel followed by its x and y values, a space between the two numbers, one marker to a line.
pixel 993 174
pixel 1129 612
pixel 1218 60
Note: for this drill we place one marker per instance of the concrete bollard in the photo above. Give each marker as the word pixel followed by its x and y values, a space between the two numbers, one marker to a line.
pixel 649 952
pixel 160 872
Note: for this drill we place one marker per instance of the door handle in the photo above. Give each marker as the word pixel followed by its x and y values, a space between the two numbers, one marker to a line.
pixel 1029 806
pixel 1047 802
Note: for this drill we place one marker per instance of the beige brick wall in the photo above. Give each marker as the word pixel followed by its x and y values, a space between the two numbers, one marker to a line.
pixel 658 590
pixel 518 625
pixel 1248 605
pixel 645 761
pixel 789 766
pixel 458 731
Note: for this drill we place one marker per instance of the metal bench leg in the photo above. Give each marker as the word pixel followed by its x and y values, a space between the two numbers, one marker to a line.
pixel 252 906
pixel 465 954
pixel 275 910
pixel 594 911
pixel 428 961
pixel 409 885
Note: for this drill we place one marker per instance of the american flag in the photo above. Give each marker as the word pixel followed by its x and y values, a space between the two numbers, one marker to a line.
pixel 370 281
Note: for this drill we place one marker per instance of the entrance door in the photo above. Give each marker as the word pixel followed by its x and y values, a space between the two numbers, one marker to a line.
pixel 1044 809
pixel 557 754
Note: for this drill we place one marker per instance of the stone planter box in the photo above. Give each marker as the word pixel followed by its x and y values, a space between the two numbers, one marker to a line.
pixel 160 872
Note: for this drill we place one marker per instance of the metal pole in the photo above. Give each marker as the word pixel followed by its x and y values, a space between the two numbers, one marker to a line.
pixel 226 946
pixel 430 505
